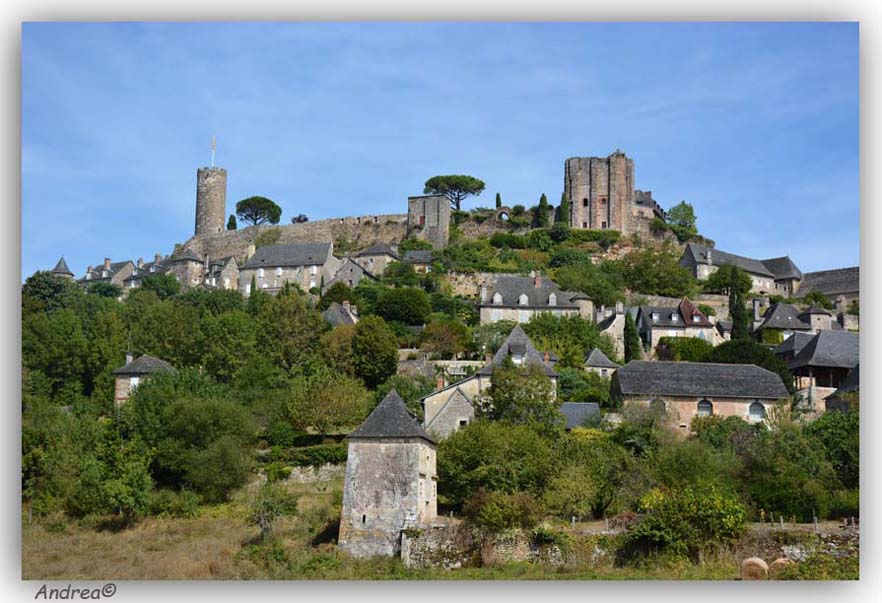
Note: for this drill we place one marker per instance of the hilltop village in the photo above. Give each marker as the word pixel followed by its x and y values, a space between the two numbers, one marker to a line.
pixel 589 317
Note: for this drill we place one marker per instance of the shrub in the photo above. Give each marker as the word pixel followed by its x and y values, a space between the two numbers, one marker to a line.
pixel 845 504
pixel 315 456
pixel 822 566
pixel 276 472
pixel 684 523
pixel 408 305
pixel 707 310
pixel 171 503
pixel 564 257
pixel 540 240
pixel 502 240
pixel 497 511
pixel 683 349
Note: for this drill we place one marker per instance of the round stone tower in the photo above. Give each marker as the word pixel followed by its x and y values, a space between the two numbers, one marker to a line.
pixel 211 200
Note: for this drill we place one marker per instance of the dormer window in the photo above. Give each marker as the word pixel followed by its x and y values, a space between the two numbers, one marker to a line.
pixel 152 268
pixel 497 299
pixel 552 300
pixel 696 318
pixel 654 316
pixel 104 274
pixel 673 318
pixel 522 300
pixel 88 276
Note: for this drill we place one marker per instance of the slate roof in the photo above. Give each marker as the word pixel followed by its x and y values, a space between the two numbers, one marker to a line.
pixel 457 398
pixel 577 412
pixel 144 271
pixel 598 359
pixel 724 326
pixel 793 344
pixel 145 365
pixel 698 379
pixel 185 255
pixel 517 342
pixel 813 309
pixel 377 249
pixel 417 256
pixel 664 316
pixel 338 316
pixel 61 268
pixel 99 268
pixel 297 254
pixel 390 419
pixel 851 383
pixel 783 316
pixel 831 282
pixel 698 253
pixel 832 349
pixel 511 288
pixel 689 311
pixel 783 268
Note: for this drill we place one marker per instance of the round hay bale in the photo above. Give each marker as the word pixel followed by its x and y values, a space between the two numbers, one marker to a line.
pixel 777 565
pixel 754 568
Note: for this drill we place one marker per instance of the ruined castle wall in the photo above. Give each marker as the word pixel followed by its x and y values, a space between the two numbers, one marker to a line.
pixel 359 231
pixel 428 219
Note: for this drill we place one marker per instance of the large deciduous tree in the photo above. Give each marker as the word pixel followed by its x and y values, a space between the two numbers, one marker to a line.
pixel 456 187
pixel 374 350
pixel 258 210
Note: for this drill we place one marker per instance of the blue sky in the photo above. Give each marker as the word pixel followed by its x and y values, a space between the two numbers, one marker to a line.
pixel 756 125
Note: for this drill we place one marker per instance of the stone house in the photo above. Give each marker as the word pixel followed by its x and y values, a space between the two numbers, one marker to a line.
pixel 223 273
pixel 350 274
pixel 702 261
pixel 339 315
pixel 134 372
pixel 444 409
pixel 114 273
pixel 187 267
pixel 822 365
pixel 519 298
pixel 684 320
pixel 306 265
pixel 781 320
pixel 840 286
pixel 685 390
pixel 597 362
pixel 391 481
pixel 376 258
pixel 143 269
pixel 420 259
pixel 792 345
pixel 62 270
pixel 611 322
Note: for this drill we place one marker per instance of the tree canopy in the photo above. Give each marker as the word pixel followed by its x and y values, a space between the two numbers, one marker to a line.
pixel 258 210
pixel 455 187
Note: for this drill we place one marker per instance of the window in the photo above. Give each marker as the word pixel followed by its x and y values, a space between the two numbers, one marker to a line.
pixel 584 202
pixel 705 408
pixel 88 276
pixel 584 224
pixel 603 225
pixel 757 411
pixel 522 299
pixel 654 316
pixel 265 285
pixel 260 273
pixel 463 422
pixel 279 271
pixel 603 372
pixel 312 283
pixel 552 300
pixel 657 406
pixel 674 318
pixel 363 518
pixel 422 220
pixel 603 201
pixel 104 274
pixel 213 282
pixel 696 318
pixel 248 289
pixel 132 285
pixel 226 282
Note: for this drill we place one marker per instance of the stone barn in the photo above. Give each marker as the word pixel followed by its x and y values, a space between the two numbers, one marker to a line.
pixel 391 481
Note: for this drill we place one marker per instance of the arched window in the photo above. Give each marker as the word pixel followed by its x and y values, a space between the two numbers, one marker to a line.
pixel 705 408
pixel 757 411
pixel 522 300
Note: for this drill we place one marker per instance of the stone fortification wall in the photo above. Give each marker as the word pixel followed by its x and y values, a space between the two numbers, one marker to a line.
pixel 359 231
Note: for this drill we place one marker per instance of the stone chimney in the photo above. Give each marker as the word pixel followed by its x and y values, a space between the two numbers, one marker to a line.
pixel 757 308
pixel 483 293
pixel 537 281
pixel 88 268
pixel 250 251
pixel 140 262
pixel 439 382
pixel 128 357
pixel 345 304
pixel 709 256
pixel 107 263
pixel 157 258
pixel 547 357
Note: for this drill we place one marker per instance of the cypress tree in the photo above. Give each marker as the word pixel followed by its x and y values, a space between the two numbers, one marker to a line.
pixel 633 348
pixel 564 210
pixel 542 218
pixel 740 324
pixel 498 200
pixel 231 223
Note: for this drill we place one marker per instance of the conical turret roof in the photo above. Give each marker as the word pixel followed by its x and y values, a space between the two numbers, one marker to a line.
pixel 391 419
pixel 61 268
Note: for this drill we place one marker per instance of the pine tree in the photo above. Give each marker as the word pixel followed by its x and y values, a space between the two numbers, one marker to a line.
pixel 633 348
pixel 231 223
pixel 542 218
pixel 564 210
pixel 498 200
